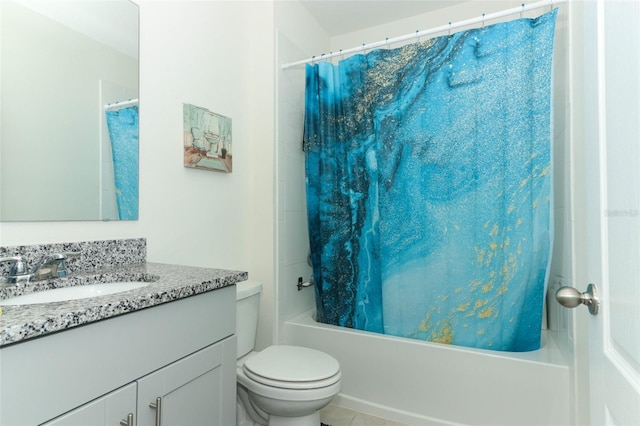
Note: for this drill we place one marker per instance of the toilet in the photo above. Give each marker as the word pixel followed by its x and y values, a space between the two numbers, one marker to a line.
pixel 280 385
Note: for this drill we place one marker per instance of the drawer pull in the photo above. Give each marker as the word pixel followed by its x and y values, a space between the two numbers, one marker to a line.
pixel 158 407
pixel 128 421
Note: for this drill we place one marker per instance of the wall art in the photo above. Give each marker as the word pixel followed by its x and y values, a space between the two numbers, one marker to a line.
pixel 207 139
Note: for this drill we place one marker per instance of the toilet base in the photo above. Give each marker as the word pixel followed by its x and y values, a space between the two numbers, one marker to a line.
pixel 244 419
pixel 312 419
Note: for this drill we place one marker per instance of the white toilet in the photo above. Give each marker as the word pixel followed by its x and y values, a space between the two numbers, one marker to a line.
pixel 280 385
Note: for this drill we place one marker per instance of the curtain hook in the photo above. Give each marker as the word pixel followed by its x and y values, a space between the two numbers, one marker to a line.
pixel 522 11
pixel 313 59
pixel 386 40
pixel 418 35
pixel 449 28
pixel 341 55
pixel 483 21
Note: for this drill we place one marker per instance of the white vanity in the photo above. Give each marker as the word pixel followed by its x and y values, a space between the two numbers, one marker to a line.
pixel 163 354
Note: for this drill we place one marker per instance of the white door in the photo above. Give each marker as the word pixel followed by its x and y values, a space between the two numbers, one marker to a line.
pixel 612 139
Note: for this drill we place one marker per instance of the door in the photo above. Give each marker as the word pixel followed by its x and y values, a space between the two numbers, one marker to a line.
pixel 198 390
pixel 612 141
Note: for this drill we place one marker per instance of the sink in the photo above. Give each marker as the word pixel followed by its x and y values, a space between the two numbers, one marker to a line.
pixel 74 293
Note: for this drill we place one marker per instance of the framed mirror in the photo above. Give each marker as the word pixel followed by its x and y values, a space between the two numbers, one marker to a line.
pixel 65 67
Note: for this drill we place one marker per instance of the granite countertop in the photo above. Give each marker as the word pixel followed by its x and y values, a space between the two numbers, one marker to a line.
pixel 169 282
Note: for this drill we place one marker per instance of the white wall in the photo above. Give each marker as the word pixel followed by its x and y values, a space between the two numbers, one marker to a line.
pixel 437 18
pixel 298 36
pixel 218 55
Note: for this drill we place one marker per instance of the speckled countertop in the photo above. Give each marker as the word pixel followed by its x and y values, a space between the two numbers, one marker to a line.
pixel 169 283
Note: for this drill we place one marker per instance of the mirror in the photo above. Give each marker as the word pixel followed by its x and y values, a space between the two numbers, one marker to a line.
pixel 61 62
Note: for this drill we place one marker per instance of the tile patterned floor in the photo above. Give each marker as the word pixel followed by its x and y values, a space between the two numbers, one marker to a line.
pixel 333 415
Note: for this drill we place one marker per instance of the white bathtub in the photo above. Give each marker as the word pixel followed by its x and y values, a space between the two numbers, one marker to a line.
pixel 422 383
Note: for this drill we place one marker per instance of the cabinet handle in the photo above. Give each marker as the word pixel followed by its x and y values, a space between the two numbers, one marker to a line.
pixel 158 407
pixel 128 422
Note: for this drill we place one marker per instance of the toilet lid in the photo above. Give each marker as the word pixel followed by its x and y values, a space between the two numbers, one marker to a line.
pixel 292 367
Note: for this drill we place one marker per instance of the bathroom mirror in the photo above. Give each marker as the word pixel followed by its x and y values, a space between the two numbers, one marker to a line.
pixel 61 62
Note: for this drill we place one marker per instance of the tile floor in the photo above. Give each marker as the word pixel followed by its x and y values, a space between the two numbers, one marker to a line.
pixel 333 415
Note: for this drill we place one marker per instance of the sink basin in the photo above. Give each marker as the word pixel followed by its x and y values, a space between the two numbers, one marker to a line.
pixel 73 293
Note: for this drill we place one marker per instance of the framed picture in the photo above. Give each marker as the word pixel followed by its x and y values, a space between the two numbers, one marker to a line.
pixel 207 140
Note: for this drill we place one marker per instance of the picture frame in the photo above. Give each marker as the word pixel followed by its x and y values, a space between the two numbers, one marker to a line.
pixel 208 140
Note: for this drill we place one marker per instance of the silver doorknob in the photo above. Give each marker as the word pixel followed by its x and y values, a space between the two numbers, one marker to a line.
pixel 569 297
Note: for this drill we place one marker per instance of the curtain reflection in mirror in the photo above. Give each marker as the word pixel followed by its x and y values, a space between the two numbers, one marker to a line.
pixel 123 133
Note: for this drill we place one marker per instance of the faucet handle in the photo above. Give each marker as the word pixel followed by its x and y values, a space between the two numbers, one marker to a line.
pixel 62 266
pixel 19 271
pixel 10 258
pixel 19 266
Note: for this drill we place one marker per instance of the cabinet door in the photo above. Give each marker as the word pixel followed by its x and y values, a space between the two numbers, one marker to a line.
pixel 104 411
pixel 197 390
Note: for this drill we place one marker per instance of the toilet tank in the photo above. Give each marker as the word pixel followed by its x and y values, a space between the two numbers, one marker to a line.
pixel 247 308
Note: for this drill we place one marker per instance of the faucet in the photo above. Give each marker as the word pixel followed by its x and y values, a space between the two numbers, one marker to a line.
pixel 50 266
pixel 19 272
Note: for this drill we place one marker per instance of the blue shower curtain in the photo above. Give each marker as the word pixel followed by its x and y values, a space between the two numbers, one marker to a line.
pixel 429 186
pixel 123 132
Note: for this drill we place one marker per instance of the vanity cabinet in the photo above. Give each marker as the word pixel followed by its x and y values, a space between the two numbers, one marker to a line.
pixel 182 354
pixel 187 392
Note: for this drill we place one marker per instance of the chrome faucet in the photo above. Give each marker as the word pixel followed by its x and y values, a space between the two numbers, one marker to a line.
pixel 50 266
pixel 19 272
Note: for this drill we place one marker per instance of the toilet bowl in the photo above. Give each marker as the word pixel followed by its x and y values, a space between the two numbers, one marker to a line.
pixel 281 385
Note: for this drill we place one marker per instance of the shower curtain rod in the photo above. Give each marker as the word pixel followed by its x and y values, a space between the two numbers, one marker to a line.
pixel 418 34
pixel 121 104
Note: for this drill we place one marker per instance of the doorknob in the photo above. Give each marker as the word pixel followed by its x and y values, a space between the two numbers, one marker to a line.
pixel 569 297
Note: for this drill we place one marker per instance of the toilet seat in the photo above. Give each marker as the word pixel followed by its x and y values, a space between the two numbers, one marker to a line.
pixel 292 367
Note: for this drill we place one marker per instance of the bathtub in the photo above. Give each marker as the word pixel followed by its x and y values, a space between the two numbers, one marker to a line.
pixel 423 383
